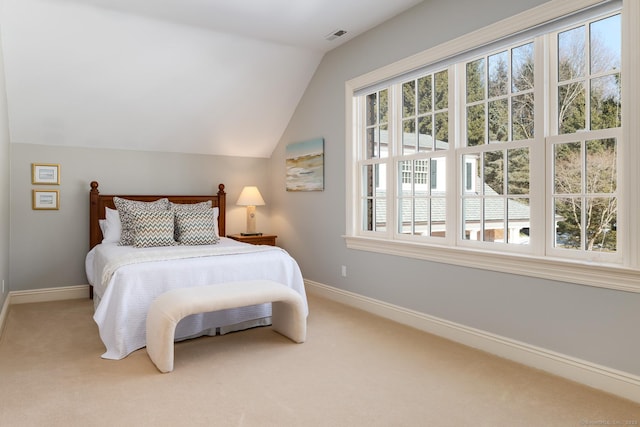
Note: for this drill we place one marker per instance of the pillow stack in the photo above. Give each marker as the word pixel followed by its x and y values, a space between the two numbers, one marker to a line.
pixel 160 223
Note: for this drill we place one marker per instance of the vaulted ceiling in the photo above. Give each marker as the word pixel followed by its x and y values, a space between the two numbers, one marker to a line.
pixel 216 77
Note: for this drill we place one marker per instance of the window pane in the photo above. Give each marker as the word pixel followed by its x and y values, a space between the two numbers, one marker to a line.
pixel 498 121
pixel 384 107
pixel 371 143
pixel 475 80
pixel 498 74
pixel 568 168
pixel 421 216
pixel 571 107
pixel 425 133
pixel 383 150
pixel 522 117
pixel 409 99
pixel 442 131
pixel 438 216
pixel 409 136
pixel 442 90
pixel 493 229
pixel 568 213
pixel 518 221
pixel 493 173
pixel 522 67
pixel 372 109
pixel 471 218
pixel 571 54
pixel 601 166
pixel 424 95
pixel 518 171
pixel 605 44
pixel 374 203
pixel 368 181
pixel 605 102
pixel 405 192
pixel 470 167
pixel 602 215
pixel 475 125
pixel 381 215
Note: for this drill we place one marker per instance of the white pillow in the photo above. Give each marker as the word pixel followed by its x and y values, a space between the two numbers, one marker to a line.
pixel 112 227
pixel 215 222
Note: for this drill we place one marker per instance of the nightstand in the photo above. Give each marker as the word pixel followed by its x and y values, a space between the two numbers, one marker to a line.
pixel 265 239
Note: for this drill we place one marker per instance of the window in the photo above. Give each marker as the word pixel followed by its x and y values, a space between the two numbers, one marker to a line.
pixel 509 147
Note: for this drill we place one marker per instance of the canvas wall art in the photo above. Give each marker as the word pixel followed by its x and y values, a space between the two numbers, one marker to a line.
pixel 305 165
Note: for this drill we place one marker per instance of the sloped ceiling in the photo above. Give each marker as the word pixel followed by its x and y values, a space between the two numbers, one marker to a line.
pixel 216 77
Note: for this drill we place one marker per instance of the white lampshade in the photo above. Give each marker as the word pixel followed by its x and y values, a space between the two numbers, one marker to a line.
pixel 250 196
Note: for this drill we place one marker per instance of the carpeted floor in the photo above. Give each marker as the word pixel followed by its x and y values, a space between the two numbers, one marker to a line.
pixel 354 370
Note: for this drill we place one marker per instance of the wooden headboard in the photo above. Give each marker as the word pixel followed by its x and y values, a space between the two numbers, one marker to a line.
pixel 98 203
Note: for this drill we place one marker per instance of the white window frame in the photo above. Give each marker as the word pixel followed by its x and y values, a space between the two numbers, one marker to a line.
pixel 624 276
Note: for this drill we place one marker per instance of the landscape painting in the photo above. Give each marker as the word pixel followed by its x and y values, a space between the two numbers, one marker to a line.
pixel 305 165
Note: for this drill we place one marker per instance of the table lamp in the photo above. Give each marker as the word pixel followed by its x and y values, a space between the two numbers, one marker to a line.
pixel 250 197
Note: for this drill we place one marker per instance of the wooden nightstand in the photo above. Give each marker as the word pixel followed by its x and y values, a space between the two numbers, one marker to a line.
pixel 265 239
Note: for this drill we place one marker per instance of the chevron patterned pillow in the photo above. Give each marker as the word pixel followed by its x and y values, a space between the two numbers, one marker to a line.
pixel 152 228
pixel 196 227
pixel 126 207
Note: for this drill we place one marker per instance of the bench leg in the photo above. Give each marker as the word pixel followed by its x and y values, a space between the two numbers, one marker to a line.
pixel 160 336
pixel 288 319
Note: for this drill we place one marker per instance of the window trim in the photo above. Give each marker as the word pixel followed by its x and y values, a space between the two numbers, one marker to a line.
pixel 619 277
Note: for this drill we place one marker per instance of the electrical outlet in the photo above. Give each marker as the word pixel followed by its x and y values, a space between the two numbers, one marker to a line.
pixel 344 271
pixel 3 286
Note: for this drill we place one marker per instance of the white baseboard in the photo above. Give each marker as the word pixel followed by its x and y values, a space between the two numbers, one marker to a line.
pixel 3 313
pixel 593 375
pixel 48 294
pixel 41 295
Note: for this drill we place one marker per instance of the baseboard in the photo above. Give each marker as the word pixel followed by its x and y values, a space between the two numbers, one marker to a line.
pixel 600 377
pixel 48 294
pixel 41 295
pixel 3 314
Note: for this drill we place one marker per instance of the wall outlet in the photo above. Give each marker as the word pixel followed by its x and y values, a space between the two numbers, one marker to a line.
pixel 3 286
pixel 344 271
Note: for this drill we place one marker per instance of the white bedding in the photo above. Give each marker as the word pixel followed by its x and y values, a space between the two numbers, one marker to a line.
pixel 125 295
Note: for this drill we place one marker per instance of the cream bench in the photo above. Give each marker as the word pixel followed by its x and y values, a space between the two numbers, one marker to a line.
pixel 288 312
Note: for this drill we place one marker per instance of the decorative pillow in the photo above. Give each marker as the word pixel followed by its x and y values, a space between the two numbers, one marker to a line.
pixel 196 227
pixel 190 206
pixel 152 228
pixel 126 208
pixel 111 226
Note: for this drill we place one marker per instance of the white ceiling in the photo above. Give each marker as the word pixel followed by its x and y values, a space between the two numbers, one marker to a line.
pixel 195 76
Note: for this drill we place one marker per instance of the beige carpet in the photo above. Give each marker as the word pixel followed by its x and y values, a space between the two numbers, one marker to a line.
pixel 354 370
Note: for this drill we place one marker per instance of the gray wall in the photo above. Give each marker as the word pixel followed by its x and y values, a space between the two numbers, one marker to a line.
pixel 48 247
pixel 593 324
pixel 4 184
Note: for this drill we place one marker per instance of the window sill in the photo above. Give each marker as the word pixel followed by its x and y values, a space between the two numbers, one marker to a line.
pixel 602 276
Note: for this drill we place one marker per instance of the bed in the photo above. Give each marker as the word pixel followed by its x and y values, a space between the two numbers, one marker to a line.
pixel 125 279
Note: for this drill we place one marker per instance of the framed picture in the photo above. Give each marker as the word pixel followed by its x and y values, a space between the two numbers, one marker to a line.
pixel 305 165
pixel 46 200
pixel 45 173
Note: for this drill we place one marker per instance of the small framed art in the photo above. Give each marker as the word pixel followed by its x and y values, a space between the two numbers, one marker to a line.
pixel 45 173
pixel 46 200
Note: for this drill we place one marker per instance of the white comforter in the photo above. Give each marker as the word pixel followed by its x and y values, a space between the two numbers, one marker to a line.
pixel 126 288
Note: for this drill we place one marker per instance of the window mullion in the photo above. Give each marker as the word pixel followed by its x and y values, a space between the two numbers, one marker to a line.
pixel 395 150
pixel 459 133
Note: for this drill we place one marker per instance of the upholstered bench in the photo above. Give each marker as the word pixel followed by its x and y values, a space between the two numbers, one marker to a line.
pixel 288 313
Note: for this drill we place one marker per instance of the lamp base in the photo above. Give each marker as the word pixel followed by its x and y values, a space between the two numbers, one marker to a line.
pixel 251 234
